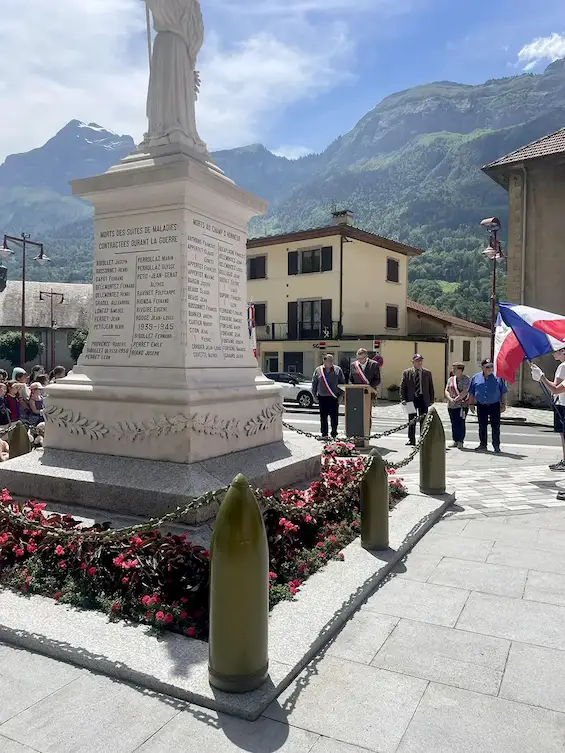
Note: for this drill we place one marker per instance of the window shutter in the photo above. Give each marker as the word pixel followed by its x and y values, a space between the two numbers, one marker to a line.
pixel 327 253
pixel 326 317
pixel 392 317
pixel 292 319
pixel 392 270
pixel 293 262
pixel 260 267
pixel 260 314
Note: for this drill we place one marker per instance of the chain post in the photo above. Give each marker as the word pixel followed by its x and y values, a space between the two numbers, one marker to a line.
pixel 432 461
pixel 239 594
pixel 374 504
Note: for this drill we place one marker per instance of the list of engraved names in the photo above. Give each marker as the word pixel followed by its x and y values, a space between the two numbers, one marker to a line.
pixel 217 309
pixel 136 291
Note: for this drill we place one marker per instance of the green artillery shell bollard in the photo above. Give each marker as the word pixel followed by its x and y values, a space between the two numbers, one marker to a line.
pixel 239 593
pixel 432 456
pixel 374 505
pixel 19 441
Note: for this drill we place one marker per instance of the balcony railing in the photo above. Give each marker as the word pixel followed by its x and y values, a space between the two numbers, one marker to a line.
pixel 280 331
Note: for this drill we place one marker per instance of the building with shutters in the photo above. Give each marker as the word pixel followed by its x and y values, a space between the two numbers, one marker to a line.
pixel 338 288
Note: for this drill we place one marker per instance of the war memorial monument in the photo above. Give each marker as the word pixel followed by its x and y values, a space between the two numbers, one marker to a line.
pixel 167 400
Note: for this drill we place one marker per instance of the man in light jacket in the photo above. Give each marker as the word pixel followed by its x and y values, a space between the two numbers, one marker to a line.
pixel 326 382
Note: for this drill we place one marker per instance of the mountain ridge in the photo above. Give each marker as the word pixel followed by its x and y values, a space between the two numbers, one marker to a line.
pixel 410 169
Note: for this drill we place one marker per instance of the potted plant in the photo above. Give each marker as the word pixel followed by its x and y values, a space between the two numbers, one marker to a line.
pixel 393 392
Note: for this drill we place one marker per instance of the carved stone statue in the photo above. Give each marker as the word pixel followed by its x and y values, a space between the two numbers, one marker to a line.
pixel 174 82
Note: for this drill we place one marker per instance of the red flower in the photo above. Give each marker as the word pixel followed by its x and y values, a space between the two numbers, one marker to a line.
pixel 63 565
pixel 57 595
pixel 320 544
pixel 272 576
pixel 355 524
pixel 136 542
pixel 340 556
pixel 333 539
pixel 125 581
pixel 59 551
pixel 118 560
pixel 307 518
pixel 183 600
pixel 183 615
pixel 146 601
pixel 160 616
pixel 293 590
pixel 115 607
pixel 31 547
pixel 19 552
pixel 83 566
pixel 191 632
pixel 91 571
pixel 169 618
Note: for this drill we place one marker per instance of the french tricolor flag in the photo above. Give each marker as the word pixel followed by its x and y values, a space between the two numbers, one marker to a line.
pixel 524 333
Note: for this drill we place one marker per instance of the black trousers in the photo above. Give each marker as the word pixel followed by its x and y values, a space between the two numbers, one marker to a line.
pixel 486 413
pixel 329 407
pixel 422 408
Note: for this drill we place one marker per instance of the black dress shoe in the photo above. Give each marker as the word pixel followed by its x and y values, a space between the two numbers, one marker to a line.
pixel 410 444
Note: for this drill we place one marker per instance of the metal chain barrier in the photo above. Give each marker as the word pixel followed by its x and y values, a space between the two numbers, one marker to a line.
pixel 423 433
pixel 11 511
pixel 320 438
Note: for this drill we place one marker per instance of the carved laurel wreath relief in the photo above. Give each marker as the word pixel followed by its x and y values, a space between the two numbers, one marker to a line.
pixel 209 424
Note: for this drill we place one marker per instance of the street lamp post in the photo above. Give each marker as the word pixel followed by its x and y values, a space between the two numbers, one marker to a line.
pixel 51 295
pixel 493 252
pixel 41 258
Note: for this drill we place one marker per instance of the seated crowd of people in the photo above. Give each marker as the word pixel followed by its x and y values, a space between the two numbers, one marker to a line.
pixel 21 398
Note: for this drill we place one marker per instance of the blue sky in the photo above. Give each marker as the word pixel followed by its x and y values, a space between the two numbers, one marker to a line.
pixel 291 74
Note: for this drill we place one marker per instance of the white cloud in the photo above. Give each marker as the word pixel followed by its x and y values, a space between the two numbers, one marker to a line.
pixel 543 49
pixel 246 86
pixel 292 152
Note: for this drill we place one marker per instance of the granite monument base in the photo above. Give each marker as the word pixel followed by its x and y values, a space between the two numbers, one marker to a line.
pixel 168 372
pixel 150 488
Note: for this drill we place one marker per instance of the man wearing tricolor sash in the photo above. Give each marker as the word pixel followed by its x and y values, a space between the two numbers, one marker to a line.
pixel 326 382
pixel 365 371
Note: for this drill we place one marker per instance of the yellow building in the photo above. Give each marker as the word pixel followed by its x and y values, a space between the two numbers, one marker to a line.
pixel 336 289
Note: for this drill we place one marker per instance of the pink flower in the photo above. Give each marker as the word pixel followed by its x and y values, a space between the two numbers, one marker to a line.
pixel 59 551
pixel 320 544
pixel 355 524
pixel 183 600
pixel 183 615
pixel 333 539
pixel 307 518
pixel 160 616
pixel 340 556
pixel 91 571
pixel 118 560
pixel 191 632
pixel 293 590
pixel 19 552
pixel 63 565
pixel 146 601
pixel 57 595
pixel 169 618
pixel 31 547
pixel 272 576
pixel 83 566
pixel 136 541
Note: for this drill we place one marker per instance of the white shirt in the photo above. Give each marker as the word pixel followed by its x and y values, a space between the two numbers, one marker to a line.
pixel 560 377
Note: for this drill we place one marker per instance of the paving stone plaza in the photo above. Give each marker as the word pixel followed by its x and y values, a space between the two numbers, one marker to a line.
pixel 460 650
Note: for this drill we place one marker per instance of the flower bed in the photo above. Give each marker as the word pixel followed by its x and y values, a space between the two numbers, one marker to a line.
pixel 162 580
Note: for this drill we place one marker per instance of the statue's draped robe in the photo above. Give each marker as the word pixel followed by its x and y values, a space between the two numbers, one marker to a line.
pixel 172 96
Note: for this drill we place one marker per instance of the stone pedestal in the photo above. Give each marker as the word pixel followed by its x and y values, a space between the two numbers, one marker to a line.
pixel 168 371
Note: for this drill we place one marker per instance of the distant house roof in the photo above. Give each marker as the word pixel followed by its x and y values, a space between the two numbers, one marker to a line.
pixel 547 146
pixel 442 316
pixel 347 231
pixel 74 312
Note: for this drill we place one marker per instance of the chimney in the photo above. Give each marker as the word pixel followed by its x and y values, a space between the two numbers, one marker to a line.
pixel 342 217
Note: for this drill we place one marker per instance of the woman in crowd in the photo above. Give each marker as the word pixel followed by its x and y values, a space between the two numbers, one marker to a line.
pixel 35 372
pixel 35 404
pixel 457 394
pixel 5 419
pixel 58 372
pixel 12 399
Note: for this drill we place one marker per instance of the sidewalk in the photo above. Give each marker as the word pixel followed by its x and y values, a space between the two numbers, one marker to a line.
pixel 525 416
pixel 461 651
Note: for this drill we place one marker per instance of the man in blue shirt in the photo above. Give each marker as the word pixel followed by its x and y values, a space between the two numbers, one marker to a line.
pixel 488 394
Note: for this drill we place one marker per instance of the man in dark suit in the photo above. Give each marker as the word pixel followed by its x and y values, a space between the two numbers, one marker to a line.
pixel 364 370
pixel 417 387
